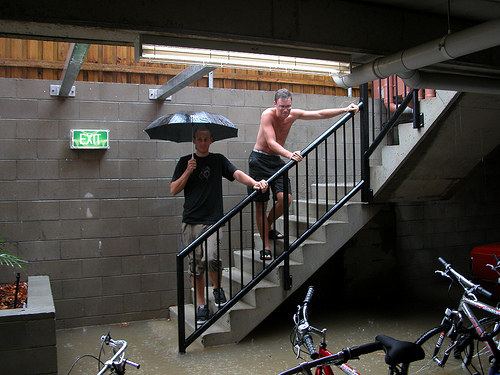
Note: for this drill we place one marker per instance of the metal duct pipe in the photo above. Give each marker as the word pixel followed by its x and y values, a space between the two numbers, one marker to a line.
pixel 474 39
pixel 419 80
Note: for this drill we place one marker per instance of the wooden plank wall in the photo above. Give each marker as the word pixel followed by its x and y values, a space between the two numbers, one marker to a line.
pixel 35 59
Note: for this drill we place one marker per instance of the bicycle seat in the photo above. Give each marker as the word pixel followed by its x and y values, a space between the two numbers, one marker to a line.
pixel 397 351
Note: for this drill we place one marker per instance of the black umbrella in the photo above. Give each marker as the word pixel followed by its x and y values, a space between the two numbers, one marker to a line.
pixel 181 126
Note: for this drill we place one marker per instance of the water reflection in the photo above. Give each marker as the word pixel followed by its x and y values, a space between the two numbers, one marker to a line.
pixel 267 350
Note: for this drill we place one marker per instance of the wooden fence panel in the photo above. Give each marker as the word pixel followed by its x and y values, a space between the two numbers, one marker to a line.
pixel 34 59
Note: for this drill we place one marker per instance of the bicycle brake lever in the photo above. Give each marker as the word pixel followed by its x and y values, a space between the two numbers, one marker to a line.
pixel 298 351
pixel 106 339
pixel 444 274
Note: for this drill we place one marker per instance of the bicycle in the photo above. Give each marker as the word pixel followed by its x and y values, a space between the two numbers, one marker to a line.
pixel 490 285
pixel 116 364
pixel 495 268
pixel 456 337
pixel 398 353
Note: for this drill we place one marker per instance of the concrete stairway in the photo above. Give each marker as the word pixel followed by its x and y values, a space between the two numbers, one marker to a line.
pixel 269 293
pixel 432 162
pixel 329 238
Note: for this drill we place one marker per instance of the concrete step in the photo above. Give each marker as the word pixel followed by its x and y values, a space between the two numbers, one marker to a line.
pixel 222 326
pixel 277 246
pixel 304 223
pixel 245 258
pixel 334 192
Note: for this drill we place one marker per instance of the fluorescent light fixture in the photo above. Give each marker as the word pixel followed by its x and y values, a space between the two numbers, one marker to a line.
pixel 241 60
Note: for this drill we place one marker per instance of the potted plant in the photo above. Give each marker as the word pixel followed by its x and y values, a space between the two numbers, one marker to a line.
pixel 12 295
pixel 29 330
pixel 9 259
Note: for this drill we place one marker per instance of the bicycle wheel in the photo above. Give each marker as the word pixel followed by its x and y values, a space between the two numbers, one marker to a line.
pixel 435 344
pixel 464 349
pixel 483 354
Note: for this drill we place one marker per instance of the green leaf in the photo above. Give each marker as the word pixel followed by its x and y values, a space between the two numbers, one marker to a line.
pixel 11 260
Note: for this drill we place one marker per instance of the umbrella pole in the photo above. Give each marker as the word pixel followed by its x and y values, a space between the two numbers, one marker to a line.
pixel 192 143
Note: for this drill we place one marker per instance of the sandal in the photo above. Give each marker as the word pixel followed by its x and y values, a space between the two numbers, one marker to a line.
pixel 275 235
pixel 266 255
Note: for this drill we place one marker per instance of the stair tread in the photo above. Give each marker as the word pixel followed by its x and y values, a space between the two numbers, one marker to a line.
pixel 189 319
pixel 309 240
pixel 248 254
pixel 247 277
pixel 324 201
pixel 303 219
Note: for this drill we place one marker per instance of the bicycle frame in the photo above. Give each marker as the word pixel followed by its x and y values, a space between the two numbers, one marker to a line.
pixel 456 327
pixel 453 322
pixel 326 369
pixel 398 353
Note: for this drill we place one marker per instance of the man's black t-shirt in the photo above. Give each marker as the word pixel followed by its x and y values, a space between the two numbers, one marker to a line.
pixel 203 190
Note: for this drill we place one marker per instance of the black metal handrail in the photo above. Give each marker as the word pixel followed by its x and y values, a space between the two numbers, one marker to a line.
pixel 356 170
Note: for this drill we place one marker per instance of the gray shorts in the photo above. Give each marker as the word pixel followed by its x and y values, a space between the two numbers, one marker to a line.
pixel 205 255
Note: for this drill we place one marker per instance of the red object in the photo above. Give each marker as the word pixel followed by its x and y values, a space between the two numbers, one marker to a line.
pixel 480 257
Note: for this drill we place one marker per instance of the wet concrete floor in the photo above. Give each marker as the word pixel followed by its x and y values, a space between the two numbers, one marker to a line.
pixel 266 350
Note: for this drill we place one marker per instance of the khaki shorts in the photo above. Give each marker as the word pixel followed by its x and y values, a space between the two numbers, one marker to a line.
pixel 205 255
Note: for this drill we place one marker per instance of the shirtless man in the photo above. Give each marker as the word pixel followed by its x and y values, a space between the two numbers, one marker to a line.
pixel 264 161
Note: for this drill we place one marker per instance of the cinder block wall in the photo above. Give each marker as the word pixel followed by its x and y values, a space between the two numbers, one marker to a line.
pixel 397 252
pixel 449 229
pixel 102 223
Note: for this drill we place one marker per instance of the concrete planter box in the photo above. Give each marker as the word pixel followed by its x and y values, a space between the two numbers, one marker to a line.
pixel 28 344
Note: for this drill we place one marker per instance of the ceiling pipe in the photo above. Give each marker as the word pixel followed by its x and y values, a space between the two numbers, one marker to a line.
pixel 418 80
pixel 451 46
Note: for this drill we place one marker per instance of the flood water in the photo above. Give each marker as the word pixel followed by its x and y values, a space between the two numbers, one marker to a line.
pixel 266 350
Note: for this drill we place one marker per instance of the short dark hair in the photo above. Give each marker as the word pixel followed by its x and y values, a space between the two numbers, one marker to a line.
pixel 202 128
pixel 282 94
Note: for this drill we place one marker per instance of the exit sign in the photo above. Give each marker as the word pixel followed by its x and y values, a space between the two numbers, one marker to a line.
pixel 89 139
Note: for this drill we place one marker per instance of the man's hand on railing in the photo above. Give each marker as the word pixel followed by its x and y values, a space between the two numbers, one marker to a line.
pixel 296 156
pixel 352 108
pixel 261 185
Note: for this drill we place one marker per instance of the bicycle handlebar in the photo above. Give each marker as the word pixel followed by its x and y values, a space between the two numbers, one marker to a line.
pixel 118 357
pixel 302 327
pixel 341 357
pixel 310 346
pixel 309 295
pixel 464 282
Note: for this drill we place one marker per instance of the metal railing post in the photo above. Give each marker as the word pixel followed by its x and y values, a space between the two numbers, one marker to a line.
pixel 287 285
pixel 180 305
pixel 418 118
pixel 366 192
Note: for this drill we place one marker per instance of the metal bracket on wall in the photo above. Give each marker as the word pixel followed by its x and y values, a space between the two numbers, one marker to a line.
pixel 155 94
pixel 55 89
pixel 185 78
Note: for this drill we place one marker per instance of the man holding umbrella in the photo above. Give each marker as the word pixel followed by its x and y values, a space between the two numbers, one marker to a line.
pixel 200 177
